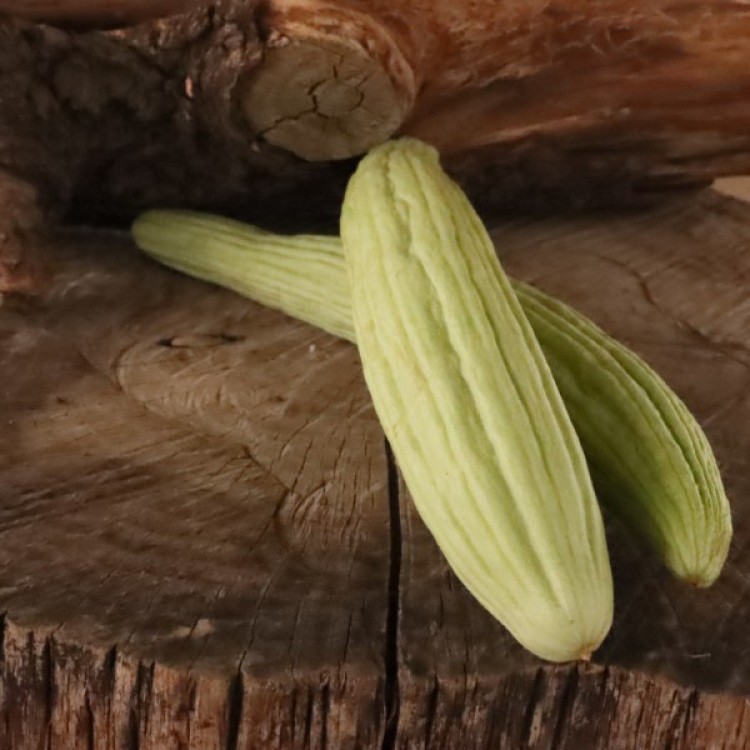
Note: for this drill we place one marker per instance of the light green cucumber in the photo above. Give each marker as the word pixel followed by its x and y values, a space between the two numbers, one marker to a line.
pixel 469 405
pixel 652 463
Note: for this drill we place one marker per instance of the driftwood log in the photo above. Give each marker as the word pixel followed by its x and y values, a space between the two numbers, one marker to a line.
pixel 535 105
pixel 204 541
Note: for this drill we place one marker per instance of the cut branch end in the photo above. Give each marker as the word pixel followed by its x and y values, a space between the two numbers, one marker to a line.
pixel 332 84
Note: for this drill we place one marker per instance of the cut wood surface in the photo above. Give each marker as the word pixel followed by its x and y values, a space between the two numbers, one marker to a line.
pixel 205 543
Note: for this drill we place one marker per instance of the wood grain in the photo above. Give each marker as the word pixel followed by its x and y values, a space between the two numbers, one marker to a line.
pixel 206 544
pixel 93 13
pixel 214 541
pixel 537 106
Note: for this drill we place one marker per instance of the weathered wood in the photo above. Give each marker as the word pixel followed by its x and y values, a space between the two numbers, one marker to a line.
pixel 671 285
pixel 21 270
pixel 534 105
pixel 94 13
pixel 204 543
pixel 213 549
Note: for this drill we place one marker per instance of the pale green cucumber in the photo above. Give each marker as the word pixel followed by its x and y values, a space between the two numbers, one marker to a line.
pixel 305 275
pixel 469 406
pixel 652 463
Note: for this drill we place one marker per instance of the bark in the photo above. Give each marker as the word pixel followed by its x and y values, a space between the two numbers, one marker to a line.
pixel 93 13
pixel 536 107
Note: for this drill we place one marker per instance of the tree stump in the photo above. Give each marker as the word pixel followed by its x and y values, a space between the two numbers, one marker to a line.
pixel 205 542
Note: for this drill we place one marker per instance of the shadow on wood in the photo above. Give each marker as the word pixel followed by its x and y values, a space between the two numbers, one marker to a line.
pixel 204 544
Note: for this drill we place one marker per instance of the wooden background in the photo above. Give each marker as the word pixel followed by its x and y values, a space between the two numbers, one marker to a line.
pixel 204 542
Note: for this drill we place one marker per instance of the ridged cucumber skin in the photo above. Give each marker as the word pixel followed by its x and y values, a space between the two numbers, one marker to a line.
pixel 469 406
pixel 652 463
pixel 305 275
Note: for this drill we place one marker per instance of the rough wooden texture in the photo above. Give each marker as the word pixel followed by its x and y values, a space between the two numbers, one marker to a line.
pixel 94 13
pixel 536 105
pixel 215 542
pixel 204 542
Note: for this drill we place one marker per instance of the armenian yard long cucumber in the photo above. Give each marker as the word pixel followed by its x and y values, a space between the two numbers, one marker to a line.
pixel 652 463
pixel 469 405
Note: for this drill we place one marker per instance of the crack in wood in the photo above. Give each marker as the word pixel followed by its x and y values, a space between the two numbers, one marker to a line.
pixel 109 683
pixel 727 349
pixel 534 701
pixel 325 711
pixel 48 676
pixel 565 712
pixel 234 718
pixel 308 717
pixel 143 694
pixel 392 690
pixel 432 702
pixel 691 709
pixel 90 723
